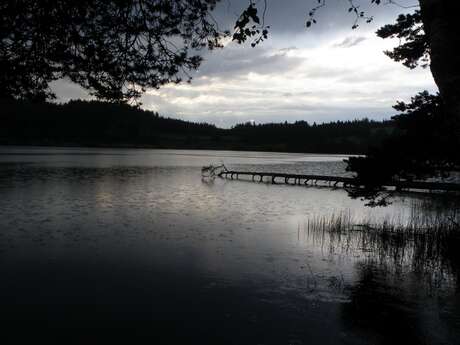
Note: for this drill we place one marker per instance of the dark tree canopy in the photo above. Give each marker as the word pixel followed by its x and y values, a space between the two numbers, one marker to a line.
pixel 114 49
pixel 423 146
pixel 96 123
pixel 413 49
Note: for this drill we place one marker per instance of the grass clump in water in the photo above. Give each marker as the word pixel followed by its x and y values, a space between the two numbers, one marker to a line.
pixel 427 242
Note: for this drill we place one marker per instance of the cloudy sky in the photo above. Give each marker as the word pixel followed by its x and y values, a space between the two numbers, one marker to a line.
pixel 326 73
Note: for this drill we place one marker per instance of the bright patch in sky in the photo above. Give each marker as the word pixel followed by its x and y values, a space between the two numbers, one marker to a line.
pixel 340 79
pixel 328 73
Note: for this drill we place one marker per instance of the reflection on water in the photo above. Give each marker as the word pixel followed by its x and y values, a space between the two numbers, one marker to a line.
pixel 103 246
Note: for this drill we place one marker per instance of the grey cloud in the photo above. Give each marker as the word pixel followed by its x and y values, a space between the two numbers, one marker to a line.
pixel 297 94
pixel 241 91
pixel 288 49
pixel 223 73
pixel 350 41
pixel 289 17
pixel 328 72
pixel 66 90
pixel 235 61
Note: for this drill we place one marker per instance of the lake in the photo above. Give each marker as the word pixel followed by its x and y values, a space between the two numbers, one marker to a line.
pixel 132 246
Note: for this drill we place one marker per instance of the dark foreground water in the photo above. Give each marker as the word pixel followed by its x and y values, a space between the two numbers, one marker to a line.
pixel 102 246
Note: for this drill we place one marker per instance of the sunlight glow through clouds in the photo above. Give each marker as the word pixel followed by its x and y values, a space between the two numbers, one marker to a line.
pixel 347 77
pixel 326 73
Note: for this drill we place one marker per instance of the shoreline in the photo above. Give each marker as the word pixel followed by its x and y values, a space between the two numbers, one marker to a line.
pixel 161 147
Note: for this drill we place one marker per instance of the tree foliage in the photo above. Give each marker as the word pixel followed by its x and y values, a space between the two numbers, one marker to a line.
pixel 114 49
pixel 413 49
pixel 97 123
pixel 250 26
pixel 423 146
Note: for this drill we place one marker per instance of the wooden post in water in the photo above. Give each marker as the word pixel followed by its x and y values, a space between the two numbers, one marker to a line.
pixel 346 181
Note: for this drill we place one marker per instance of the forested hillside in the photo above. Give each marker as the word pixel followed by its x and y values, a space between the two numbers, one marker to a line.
pixel 92 123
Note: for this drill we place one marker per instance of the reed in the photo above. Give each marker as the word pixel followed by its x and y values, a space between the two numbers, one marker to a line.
pixel 428 241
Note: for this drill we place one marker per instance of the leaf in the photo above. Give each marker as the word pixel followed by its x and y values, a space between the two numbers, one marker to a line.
pixel 308 24
pixel 251 11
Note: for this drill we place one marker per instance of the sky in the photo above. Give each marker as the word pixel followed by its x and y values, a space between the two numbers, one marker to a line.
pixel 326 73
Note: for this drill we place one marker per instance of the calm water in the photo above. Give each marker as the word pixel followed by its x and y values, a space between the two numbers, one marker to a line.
pixel 113 246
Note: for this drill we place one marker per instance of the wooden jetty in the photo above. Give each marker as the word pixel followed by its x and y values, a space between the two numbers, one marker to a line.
pixel 335 181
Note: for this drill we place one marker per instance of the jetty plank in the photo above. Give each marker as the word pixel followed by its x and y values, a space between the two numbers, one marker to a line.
pixel 258 176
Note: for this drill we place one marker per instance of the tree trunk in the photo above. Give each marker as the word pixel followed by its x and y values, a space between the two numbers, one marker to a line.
pixel 441 24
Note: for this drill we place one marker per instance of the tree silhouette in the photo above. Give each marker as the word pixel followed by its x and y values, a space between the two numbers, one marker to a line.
pixel 414 49
pixel 96 123
pixel 424 145
pixel 114 49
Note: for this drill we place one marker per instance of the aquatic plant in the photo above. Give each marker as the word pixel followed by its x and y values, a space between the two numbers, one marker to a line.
pixel 425 243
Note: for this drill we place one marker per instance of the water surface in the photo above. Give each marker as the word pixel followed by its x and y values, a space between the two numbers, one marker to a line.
pixel 131 246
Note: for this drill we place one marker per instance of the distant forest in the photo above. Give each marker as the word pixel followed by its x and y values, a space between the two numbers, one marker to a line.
pixel 94 123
